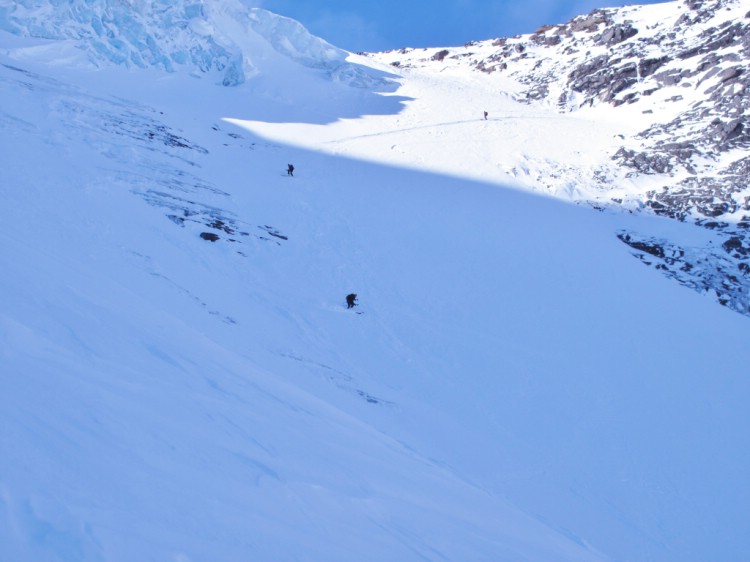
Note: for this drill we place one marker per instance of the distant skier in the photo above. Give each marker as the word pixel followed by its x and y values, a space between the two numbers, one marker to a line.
pixel 290 170
pixel 485 115
pixel 350 300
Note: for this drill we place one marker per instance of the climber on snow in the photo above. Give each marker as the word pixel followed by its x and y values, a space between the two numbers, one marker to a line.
pixel 350 300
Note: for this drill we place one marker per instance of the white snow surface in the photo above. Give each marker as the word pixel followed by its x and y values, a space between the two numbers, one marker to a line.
pixel 224 38
pixel 512 386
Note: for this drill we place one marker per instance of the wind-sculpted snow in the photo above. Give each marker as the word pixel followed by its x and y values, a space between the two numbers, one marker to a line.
pixel 224 39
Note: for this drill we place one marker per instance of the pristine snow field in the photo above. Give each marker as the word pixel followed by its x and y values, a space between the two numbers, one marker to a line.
pixel 513 385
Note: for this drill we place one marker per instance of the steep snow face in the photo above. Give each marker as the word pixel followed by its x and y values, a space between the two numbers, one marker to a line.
pixel 223 38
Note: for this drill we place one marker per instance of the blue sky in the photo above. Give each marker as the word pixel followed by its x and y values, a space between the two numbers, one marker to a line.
pixel 378 25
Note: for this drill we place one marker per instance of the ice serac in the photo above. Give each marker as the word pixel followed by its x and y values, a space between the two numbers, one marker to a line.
pixel 180 379
pixel 227 39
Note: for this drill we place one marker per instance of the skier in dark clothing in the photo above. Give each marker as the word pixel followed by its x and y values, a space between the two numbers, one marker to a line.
pixel 350 298
pixel 290 170
pixel 485 115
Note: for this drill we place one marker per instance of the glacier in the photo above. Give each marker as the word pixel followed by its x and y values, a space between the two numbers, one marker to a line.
pixel 227 40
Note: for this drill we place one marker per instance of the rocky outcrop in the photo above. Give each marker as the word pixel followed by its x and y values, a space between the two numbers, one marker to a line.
pixel 616 34
pixel 716 272
pixel 602 79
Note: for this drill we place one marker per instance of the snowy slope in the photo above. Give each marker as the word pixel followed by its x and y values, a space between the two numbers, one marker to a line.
pixel 665 91
pixel 517 387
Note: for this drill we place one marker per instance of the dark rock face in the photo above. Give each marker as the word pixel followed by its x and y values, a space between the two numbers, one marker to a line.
pixel 616 34
pixel 440 55
pixel 715 272
pixel 590 23
pixel 647 67
pixel 705 196
pixel 644 162
pixel 601 80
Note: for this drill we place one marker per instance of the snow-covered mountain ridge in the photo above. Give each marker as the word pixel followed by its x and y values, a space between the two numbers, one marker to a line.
pixel 226 40
pixel 678 71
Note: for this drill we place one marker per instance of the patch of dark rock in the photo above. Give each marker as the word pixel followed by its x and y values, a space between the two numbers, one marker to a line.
pixel 627 98
pixel 210 236
pixel 704 269
pixel 544 29
pixel 725 133
pixel 162 134
pixel 710 64
pixel 647 67
pixel 711 209
pixel 616 34
pixel 728 37
pixel 591 22
pixel 440 55
pixel 652 249
pixel 643 162
pixel 713 225
pixel 273 232
pixel 730 73
pixel 219 224
pixel 546 40
pixel 599 78
pixel 736 246
pixel 659 208
pixel 740 167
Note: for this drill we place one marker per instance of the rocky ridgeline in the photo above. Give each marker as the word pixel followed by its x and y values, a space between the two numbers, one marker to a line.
pixel 605 58
pixel 700 153
pixel 686 66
